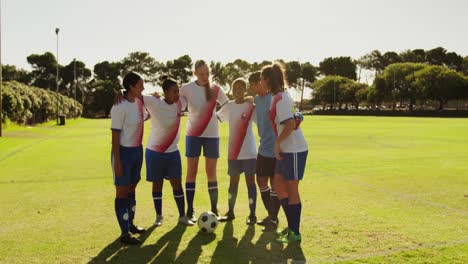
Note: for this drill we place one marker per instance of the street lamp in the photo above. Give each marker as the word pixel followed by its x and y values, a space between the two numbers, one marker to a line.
pixel 57 74
pixel 74 78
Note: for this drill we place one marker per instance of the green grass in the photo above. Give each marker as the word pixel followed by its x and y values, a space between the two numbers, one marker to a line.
pixel 376 190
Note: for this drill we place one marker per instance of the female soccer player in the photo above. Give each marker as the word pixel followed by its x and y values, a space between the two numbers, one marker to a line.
pixel 242 150
pixel 127 154
pixel 202 132
pixel 290 150
pixel 162 153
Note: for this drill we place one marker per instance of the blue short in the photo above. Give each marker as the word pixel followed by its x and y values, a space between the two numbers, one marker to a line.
pixel 160 166
pixel 292 165
pixel 237 167
pixel 193 146
pixel 132 160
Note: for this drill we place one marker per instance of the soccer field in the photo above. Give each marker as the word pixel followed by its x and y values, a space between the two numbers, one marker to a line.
pixel 376 189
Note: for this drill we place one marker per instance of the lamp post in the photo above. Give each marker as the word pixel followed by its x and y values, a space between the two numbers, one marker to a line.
pixel 57 74
pixel 74 78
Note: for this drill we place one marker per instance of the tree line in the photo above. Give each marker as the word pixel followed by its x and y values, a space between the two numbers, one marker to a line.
pixel 407 78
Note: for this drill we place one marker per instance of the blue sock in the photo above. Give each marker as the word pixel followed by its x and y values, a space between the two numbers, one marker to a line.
pixel 213 191
pixel 157 199
pixel 252 193
pixel 180 201
pixel 131 208
pixel 233 189
pixel 285 205
pixel 190 192
pixel 121 211
pixel 295 214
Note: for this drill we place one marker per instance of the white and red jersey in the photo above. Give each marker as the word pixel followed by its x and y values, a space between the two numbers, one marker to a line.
pixel 128 117
pixel 165 123
pixel 282 108
pixel 202 113
pixel 241 138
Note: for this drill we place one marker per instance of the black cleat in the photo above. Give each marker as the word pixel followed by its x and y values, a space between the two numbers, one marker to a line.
pixel 136 229
pixel 251 220
pixel 264 221
pixel 129 240
pixel 191 216
pixel 215 211
pixel 228 217
pixel 271 226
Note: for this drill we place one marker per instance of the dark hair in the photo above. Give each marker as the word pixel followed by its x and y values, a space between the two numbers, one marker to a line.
pixel 167 83
pixel 208 91
pixel 254 77
pixel 239 81
pixel 275 75
pixel 131 79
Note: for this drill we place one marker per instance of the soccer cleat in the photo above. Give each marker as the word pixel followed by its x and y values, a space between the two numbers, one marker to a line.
pixel 136 229
pixel 159 220
pixel 185 221
pixel 215 211
pixel 229 216
pixel 283 232
pixel 129 240
pixel 271 226
pixel 290 238
pixel 191 215
pixel 264 221
pixel 251 220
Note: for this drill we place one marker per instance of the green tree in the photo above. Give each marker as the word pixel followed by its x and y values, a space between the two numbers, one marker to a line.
pixel 179 69
pixel 11 73
pixel 372 61
pixel 83 75
pixel 142 63
pixel 441 84
pixel 44 70
pixel 108 71
pixel 436 56
pixel 341 66
pixel 330 91
pixel 398 78
pixel 258 66
pixel 219 73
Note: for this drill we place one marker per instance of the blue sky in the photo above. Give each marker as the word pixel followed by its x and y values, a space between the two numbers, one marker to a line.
pixel 98 30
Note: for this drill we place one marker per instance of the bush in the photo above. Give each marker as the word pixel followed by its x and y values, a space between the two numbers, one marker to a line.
pixel 30 105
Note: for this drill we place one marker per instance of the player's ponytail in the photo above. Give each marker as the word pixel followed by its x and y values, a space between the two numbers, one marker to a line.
pixel 275 75
pixel 208 91
pixel 130 79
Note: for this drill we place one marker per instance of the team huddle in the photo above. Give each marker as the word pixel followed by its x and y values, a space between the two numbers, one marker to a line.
pixel 277 166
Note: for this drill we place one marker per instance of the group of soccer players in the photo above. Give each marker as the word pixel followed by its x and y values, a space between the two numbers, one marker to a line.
pixel 278 165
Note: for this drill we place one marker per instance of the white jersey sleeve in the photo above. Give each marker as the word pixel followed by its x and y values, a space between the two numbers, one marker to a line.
pixel 223 113
pixel 222 98
pixel 284 109
pixel 117 117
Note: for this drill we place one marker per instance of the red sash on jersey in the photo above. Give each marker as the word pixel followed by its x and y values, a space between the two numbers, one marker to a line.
pixel 297 118
pixel 244 125
pixel 172 133
pixel 198 128
pixel 276 99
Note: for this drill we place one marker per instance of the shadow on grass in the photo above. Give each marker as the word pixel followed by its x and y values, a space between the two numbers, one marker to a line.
pixel 228 250
pixel 265 250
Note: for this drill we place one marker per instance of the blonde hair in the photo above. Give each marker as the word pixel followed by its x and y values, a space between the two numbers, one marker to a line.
pixel 208 90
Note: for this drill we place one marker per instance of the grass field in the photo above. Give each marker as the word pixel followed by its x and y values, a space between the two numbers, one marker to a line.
pixel 376 190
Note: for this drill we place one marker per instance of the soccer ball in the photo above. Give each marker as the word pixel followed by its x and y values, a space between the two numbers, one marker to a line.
pixel 207 222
